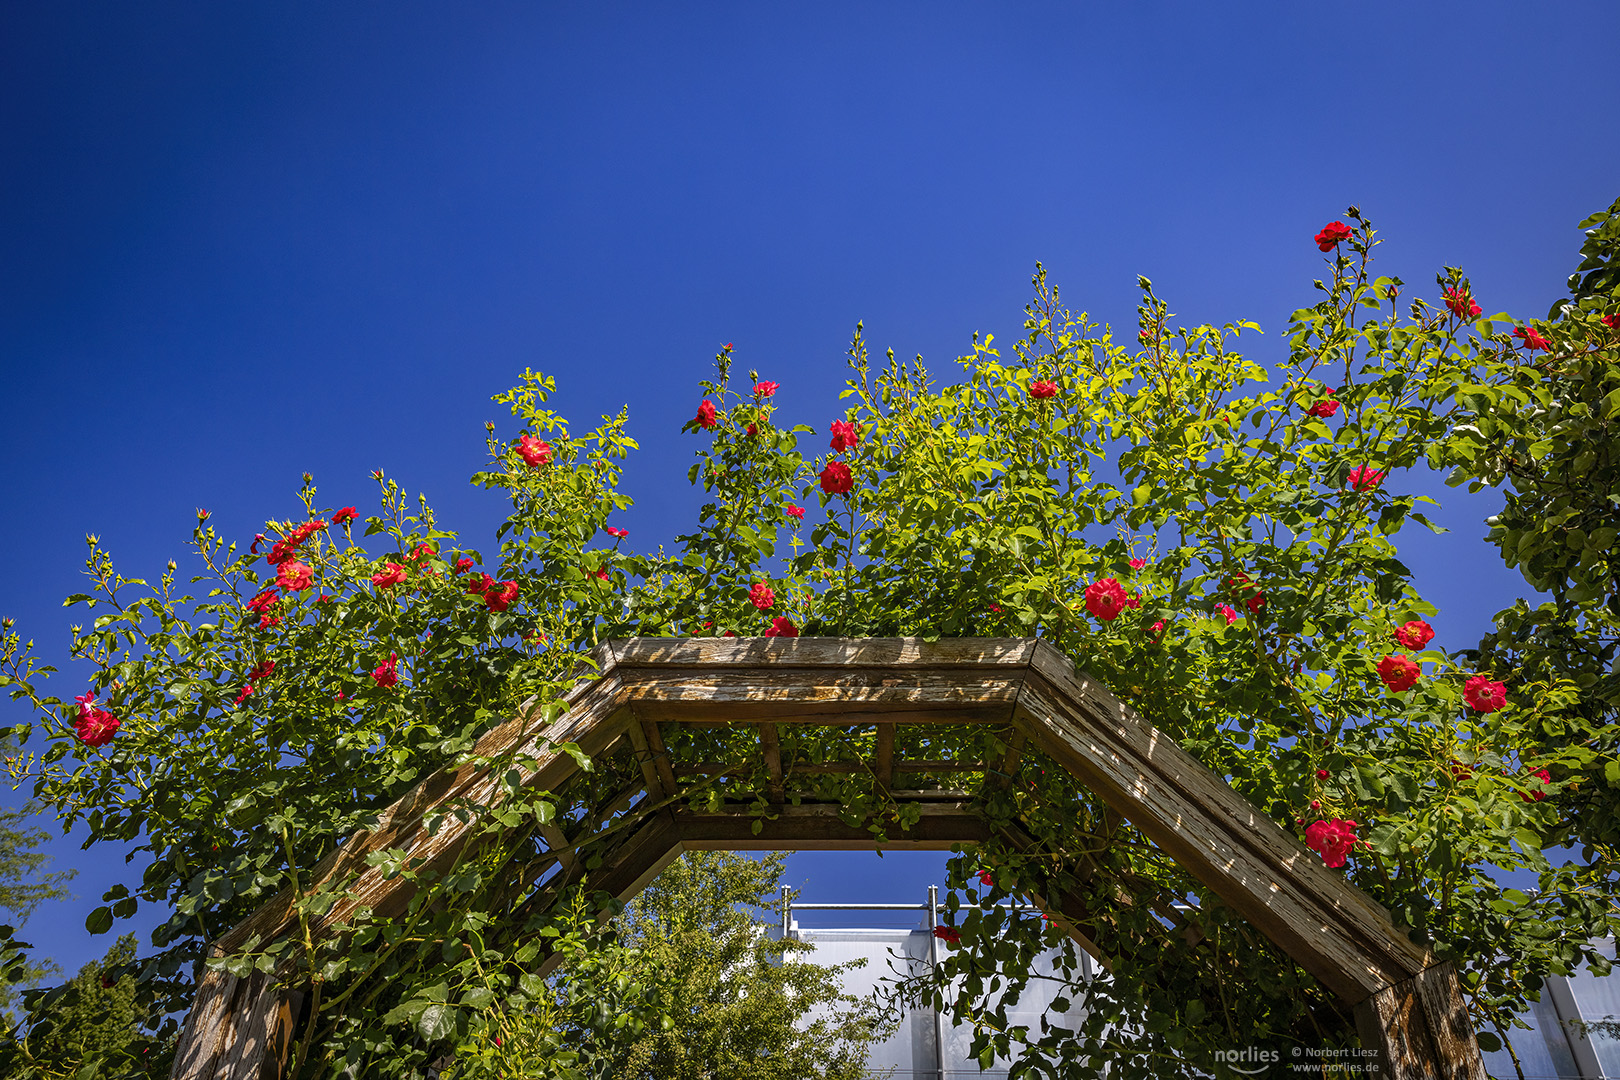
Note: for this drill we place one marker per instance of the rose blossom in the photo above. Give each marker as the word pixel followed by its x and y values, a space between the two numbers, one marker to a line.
pixel 480 585
pixel 706 415
pixel 1334 839
pixel 781 626
pixel 1612 321
pixel 1137 564
pixel 1042 388
pixel 1531 338
pixel 463 565
pixel 499 597
pixel 1106 599
pixel 836 479
pixel 534 452
pixel 761 596
pixel 1415 634
pixel 986 880
pixel 261 670
pixel 845 434
pixel 1225 611
pixel 1332 235
pixel 751 430
pixel 950 935
pixel 1461 304
pixel 1325 407
pixel 246 692
pixel 1483 695
pixel 617 534
pixel 765 388
pixel 295 576
pixel 386 674
pixel 794 512
pixel 602 573
pixel 345 516
pixel 264 601
pixel 1398 672
pixel 267 621
pixel 1365 478
pixel 94 726
pixel 1537 794
pixel 392 574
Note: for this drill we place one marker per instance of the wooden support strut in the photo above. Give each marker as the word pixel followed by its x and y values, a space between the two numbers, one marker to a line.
pixel 1409 1008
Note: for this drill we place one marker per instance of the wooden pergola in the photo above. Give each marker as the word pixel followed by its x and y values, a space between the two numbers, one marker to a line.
pixel 666 714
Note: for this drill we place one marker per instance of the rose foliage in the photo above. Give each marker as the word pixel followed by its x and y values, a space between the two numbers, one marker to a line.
pixel 1255 588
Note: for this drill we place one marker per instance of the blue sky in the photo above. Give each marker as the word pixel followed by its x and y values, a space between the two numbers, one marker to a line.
pixel 241 242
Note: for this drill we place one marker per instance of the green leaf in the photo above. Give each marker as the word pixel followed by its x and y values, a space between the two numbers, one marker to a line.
pixel 100 920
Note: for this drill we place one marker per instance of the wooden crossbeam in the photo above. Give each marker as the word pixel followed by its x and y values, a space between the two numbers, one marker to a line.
pixel 771 746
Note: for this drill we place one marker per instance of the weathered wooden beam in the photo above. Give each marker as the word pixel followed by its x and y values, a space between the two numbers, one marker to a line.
pixel 771 746
pixel 660 753
pixel 817 827
pixel 1420 1028
pixel 884 763
pixel 1334 930
pixel 719 768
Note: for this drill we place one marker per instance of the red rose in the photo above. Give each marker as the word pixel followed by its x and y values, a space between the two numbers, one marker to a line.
pixel 463 565
pixel 1226 612
pixel 1461 304
pixel 781 626
pixel 1332 235
pixel 264 601
pixel 93 726
pixel 845 434
pixel 533 451
pixel 267 621
pixel 1321 774
pixel 386 674
pixel 480 585
pixel 1137 564
pixel 1537 794
pixel 391 575
pixel 950 935
pixel 765 388
pixel 794 512
pixel 1414 635
pixel 1365 478
pixel 1483 695
pixel 295 576
pixel 602 573
pixel 202 515
pixel 1459 771
pixel 345 516
pixel 1531 338
pixel 261 670
pixel 1324 408
pixel 617 534
pixel 1612 321
pixel 243 696
pixel 750 431
pixel 726 347
pixel 761 596
pixel 1105 599
pixel 1157 628
pixel 836 479
pixel 500 597
pixel 986 880
pixel 1241 585
pixel 1398 672
pixel 1041 388
pixel 706 415
pixel 422 552
pixel 1334 839
pixel 1133 601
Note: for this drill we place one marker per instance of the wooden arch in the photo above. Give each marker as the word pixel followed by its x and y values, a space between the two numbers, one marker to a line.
pixel 653 693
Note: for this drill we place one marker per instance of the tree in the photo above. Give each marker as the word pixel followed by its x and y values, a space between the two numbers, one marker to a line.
pixel 1214 539
pixel 24 884
pixel 88 1027
pixel 692 988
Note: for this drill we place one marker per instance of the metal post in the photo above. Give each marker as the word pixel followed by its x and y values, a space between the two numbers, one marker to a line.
pixel 933 958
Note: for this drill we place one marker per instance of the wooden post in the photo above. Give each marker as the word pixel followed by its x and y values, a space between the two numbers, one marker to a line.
pixel 1420 1028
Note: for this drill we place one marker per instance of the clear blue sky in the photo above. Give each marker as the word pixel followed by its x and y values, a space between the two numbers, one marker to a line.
pixel 243 241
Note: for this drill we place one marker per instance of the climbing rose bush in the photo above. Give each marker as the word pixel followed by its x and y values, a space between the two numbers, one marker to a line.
pixel 1172 462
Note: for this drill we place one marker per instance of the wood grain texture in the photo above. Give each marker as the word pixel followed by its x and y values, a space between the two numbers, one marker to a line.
pixel 1420 1029
pixel 1334 930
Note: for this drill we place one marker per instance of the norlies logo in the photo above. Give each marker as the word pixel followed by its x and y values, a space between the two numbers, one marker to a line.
pixel 1250 1061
